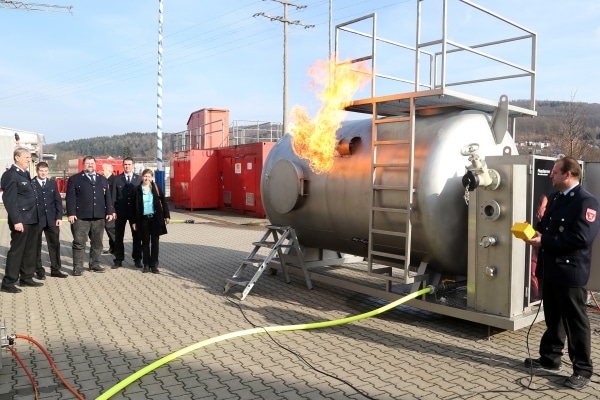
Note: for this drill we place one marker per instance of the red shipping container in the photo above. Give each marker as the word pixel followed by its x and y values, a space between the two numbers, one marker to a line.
pixel 240 170
pixel 194 179
pixel 208 128
pixel 76 165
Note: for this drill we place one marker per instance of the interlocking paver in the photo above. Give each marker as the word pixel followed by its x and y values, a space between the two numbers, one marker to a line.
pixel 101 328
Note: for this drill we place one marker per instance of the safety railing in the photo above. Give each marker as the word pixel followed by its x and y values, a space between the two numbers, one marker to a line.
pixel 428 65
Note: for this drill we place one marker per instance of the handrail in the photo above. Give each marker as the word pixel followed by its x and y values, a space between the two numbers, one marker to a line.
pixel 434 69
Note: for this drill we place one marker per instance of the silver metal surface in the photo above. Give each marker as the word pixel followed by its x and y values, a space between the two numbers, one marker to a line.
pixel 334 210
pixel 498 271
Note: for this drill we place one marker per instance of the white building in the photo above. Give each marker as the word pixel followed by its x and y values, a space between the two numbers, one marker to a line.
pixel 11 138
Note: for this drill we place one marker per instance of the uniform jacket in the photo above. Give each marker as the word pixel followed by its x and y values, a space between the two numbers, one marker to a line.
pixel 161 209
pixel 49 203
pixel 86 200
pixel 19 197
pixel 568 229
pixel 122 194
pixel 111 180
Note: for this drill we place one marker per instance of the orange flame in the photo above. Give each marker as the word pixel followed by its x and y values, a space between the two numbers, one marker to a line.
pixel 315 140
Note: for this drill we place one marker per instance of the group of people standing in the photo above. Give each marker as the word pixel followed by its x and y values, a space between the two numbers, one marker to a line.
pixel 94 203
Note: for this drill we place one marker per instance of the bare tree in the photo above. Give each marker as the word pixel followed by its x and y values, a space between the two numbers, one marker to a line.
pixel 573 137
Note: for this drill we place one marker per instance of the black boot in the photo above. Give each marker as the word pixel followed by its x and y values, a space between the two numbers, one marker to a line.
pixel 145 269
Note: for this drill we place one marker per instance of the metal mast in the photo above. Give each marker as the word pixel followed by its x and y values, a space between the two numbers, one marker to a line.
pixel 159 133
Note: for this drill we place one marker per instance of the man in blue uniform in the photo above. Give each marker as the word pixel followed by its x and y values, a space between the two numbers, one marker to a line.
pixel 20 201
pixel 89 204
pixel 122 191
pixel 564 239
pixel 50 213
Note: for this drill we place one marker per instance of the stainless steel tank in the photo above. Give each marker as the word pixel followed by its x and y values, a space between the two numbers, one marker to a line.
pixel 331 210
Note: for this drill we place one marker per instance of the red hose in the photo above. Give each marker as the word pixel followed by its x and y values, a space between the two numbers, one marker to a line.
pixel 594 298
pixel 14 352
pixel 64 382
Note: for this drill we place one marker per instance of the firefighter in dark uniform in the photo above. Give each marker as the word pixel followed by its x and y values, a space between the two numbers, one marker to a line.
pixel 564 238
pixel 122 191
pixel 50 213
pixel 20 200
pixel 89 204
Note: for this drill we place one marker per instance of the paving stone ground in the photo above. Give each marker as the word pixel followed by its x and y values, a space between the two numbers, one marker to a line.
pixel 99 329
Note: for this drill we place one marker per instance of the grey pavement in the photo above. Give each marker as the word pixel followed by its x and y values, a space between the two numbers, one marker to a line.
pixel 99 329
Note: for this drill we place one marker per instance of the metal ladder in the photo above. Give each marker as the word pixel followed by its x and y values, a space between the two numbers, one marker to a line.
pixel 280 240
pixel 404 190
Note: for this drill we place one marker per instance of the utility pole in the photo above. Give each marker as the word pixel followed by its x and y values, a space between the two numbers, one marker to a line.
pixel 330 25
pixel 19 5
pixel 285 21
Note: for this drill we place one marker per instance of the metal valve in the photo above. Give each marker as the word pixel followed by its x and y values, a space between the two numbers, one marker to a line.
pixel 478 173
pixel 488 241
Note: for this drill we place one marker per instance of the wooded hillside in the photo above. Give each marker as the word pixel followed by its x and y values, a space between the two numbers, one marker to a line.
pixel 140 146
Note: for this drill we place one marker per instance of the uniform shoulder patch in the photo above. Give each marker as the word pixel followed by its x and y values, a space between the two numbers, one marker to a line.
pixel 590 215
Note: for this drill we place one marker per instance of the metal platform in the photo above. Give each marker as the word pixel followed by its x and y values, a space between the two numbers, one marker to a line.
pixel 432 71
pixel 426 102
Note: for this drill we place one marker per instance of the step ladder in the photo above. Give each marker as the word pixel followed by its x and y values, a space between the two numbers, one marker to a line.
pixel 280 240
pixel 386 157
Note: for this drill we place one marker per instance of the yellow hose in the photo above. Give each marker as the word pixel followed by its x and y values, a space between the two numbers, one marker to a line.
pixel 315 325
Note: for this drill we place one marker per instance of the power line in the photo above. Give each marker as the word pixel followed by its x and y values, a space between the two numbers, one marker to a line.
pixel 179 55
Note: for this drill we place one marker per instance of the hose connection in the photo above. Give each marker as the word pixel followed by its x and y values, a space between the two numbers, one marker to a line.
pixel 478 173
pixel 445 287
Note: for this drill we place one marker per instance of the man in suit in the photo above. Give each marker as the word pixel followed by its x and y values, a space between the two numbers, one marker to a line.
pixel 123 190
pixel 50 214
pixel 109 226
pixel 20 201
pixel 89 204
pixel 564 239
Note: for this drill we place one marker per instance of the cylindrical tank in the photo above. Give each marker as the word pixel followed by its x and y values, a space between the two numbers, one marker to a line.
pixel 332 210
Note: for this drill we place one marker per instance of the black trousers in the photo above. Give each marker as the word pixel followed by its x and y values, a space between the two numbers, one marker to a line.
pixel 119 247
pixel 21 258
pixel 109 227
pixel 150 242
pixel 566 318
pixel 52 234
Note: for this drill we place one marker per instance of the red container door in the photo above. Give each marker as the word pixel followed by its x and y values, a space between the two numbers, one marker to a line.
pixel 184 182
pixel 237 194
pixel 204 179
pixel 226 177
pixel 180 172
pixel 249 184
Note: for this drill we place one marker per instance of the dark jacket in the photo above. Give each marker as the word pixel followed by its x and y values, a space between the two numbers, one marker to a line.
pixel 161 209
pixel 19 197
pixel 122 194
pixel 49 203
pixel 568 229
pixel 88 201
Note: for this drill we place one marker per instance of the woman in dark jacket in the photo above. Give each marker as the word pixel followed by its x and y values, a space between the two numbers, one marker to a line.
pixel 151 216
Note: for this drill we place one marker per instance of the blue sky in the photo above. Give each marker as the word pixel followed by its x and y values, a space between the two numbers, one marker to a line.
pixel 94 73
